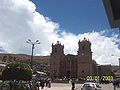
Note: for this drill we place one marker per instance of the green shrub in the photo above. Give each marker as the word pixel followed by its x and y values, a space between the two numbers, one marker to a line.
pixel 17 71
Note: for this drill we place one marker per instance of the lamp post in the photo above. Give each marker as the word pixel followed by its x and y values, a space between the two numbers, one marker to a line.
pixel 70 65
pixel 33 46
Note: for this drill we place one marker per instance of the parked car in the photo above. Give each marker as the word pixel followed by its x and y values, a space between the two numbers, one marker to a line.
pixel 90 86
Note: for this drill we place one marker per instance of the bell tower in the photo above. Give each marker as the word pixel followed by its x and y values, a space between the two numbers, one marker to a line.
pixel 84 48
pixel 84 58
pixel 57 48
pixel 56 59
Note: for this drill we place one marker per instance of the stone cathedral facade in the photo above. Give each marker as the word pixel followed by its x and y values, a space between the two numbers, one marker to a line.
pixel 59 65
pixel 72 66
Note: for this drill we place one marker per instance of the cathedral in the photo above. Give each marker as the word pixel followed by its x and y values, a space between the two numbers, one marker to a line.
pixel 59 65
pixel 72 66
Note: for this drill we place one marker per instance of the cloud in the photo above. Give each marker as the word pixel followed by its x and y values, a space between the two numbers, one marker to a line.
pixel 20 21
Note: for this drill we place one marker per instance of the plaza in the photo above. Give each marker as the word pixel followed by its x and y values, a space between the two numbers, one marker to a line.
pixel 67 86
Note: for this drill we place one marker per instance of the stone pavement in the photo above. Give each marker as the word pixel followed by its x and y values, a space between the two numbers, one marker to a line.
pixel 63 86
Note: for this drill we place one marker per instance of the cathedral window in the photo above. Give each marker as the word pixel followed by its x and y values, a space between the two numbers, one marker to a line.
pixel 83 47
pixel 82 71
pixel 55 50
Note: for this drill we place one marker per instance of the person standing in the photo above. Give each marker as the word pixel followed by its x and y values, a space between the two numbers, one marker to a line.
pixel 49 82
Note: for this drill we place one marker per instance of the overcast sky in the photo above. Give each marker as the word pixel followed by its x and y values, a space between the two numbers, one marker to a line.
pixel 19 21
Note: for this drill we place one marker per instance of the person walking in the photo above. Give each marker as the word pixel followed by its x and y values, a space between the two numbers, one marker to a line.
pixel 73 84
pixel 114 84
pixel 42 83
pixel 49 82
pixel 38 84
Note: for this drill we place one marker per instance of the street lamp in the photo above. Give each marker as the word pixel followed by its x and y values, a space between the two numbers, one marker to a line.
pixel 70 65
pixel 33 46
pixel 70 68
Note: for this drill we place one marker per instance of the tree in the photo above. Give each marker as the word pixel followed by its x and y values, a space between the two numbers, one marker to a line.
pixel 17 71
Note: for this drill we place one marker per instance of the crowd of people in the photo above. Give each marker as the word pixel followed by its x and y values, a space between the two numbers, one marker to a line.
pixel 36 85
pixel 30 85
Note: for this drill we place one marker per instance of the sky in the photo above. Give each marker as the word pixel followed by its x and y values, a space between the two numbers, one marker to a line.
pixel 78 16
pixel 50 21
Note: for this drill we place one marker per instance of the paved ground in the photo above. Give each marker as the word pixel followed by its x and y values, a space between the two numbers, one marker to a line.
pixel 60 86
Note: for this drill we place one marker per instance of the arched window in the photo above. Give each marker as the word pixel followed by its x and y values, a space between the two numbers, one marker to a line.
pixel 83 47
pixel 83 71
pixel 55 50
